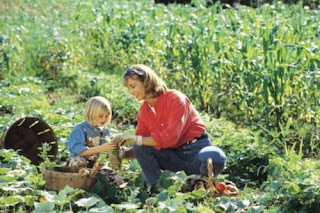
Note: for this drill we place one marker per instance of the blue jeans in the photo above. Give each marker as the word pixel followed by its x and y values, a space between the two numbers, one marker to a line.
pixel 190 158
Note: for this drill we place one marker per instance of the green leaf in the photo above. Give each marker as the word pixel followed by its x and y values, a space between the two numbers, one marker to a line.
pixel 173 204
pixel 248 190
pixel 204 209
pixel 256 209
pixel 64 196
pixel 162 196
pixel 30 200
pixel 127 206
pixel 134 165
pixel 44 207
pixel 7 178
pixel 242 203
pixel 12 190
pixel 11 200
pixel 4 171
pixel 101 209
pixel 200 193
pixel 179 176
pixel 67 190
pixel 87 202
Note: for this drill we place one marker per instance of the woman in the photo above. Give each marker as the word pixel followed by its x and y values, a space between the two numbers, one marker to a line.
pixel 170 134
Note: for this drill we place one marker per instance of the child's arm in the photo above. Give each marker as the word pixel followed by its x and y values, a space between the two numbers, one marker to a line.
pixel 107 147
pixel 76 141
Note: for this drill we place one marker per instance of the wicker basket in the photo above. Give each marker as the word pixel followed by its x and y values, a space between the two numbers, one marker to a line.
pixel 28 135
pixel 59 177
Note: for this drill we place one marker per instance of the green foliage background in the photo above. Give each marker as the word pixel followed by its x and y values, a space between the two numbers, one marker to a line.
pixel 253 74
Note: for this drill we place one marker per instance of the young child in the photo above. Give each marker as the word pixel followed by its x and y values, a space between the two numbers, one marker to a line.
pixel 89 137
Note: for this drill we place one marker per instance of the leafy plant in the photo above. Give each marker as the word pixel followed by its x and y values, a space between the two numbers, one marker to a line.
pixel 253 73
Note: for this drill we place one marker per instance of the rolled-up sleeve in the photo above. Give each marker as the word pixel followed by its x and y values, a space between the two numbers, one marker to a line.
pixel 77 141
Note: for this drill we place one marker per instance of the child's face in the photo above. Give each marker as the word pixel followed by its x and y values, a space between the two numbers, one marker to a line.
pixel 101 119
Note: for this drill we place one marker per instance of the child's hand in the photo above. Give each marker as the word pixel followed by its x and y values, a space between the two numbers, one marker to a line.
pixel 108 147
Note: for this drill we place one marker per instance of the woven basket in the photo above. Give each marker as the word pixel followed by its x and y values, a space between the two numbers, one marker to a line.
pixel 59 177
pixel 28 135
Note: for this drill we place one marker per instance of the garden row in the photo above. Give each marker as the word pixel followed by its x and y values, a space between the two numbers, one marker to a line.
pixel 253 73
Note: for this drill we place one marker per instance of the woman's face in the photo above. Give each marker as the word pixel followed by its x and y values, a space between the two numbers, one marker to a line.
pixel 136 88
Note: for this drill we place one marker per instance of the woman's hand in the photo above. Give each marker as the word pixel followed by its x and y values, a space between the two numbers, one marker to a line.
pixel 127 140
pixel 118 140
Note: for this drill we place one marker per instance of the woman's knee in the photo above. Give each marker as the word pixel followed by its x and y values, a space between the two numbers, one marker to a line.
pixel 218 157
pixel 213 152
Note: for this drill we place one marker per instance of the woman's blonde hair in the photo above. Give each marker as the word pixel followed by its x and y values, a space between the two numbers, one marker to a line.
pixel 151 81
pixel 95 106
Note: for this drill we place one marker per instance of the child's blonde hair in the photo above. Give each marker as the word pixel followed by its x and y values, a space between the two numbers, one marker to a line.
pixel 95 106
